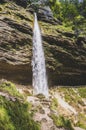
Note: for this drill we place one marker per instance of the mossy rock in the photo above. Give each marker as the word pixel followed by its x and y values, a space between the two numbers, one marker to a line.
pixel 40 96
pixel 10 88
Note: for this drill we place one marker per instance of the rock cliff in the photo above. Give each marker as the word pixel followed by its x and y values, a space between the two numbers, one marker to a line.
pixel 65 54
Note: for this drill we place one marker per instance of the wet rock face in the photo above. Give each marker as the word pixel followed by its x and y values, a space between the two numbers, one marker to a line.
pixel 22 3
pixel 45 11
pixel 65 59
pixel 44 14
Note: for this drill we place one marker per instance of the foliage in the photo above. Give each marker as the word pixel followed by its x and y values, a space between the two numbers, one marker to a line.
pixel 60 121
pixel 68 9
pixel 71 97
pixel 5 120
pixel 15 115
pixel 75 97
pixel 56 8
pixel 9 88
pixel 54 104
pixel 82 92
pixel 81 121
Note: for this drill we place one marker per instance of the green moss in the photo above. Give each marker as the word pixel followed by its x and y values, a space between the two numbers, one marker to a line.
pixel 18 113
pixel 82 91
pixel 81 125
pixel 54 104
pixel 9 88
pixel 60 121
pixel 81 121
pixel 5 122
pixel 65 28
pixel 12 11
pixel 15 115
pixel 41 96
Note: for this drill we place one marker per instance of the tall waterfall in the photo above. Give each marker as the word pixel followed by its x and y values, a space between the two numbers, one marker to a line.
pixel 38 63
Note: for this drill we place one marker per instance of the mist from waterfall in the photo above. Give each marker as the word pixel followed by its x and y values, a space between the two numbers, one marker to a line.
pixel 40 85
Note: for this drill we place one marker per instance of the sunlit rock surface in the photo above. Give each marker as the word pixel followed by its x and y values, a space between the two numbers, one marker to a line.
pixel 65 57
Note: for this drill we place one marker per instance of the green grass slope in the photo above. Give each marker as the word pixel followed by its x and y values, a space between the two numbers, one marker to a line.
pixel 14 110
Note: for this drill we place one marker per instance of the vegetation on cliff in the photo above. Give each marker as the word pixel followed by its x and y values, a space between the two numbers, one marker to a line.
pixel 64 43
pixel 19 109
pixel 64 51
pixel 14 110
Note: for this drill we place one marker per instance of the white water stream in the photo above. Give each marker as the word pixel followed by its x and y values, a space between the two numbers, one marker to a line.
pixel 40 84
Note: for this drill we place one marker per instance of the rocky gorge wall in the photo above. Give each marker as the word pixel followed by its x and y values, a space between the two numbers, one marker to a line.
pixel 65 55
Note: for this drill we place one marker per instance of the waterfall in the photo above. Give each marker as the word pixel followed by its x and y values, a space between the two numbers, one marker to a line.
pixel 40 85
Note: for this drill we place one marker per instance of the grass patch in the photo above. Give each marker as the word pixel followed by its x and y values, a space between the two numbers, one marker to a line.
pixel 9 88
pixel 82 92
pixel 60 121
pixel 54 104
pixel 73 95
pixel 15 115
pixel 5 123
pixel 82 121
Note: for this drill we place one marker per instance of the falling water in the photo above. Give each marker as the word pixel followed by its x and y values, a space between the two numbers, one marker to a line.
pixel 38 63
